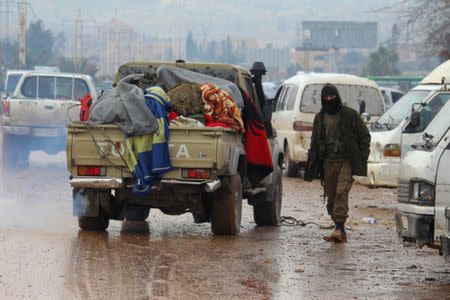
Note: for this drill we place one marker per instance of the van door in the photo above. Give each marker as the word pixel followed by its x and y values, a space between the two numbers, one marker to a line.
pixel 442 197
pixel 277 115
pixel 427 113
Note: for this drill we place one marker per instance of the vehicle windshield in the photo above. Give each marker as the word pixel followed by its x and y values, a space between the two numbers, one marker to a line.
pixel 437 127
pixel 351 96
pixel 399 110
pixel 11 83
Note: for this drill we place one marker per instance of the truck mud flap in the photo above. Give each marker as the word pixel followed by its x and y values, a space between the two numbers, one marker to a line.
pixel 85 202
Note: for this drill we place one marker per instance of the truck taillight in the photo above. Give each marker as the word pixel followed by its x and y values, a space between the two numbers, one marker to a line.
pixel 392 150
pixel 302 126
pixel 196 173
pixel 91 171
pixel 6 105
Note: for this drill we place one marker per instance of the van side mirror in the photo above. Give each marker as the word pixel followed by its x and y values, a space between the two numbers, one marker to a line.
pixel 366 117
pixel 414 119
pixel 362 107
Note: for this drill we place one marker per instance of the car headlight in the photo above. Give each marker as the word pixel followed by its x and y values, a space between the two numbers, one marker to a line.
pixel 392 150
pixel 423 193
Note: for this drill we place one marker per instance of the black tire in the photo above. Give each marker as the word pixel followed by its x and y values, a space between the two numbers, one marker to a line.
pixel 137 213
pixel 98 223
pixel 290 168
pixel 226 207
pixel 266 212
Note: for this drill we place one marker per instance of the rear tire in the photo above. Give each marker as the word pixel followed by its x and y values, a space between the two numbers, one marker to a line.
pixel 226 207
pixel 266 212
pixel 137 213
pixel 98 223
pixel 291 168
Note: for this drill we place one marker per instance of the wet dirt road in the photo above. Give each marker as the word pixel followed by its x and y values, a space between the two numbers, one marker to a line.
pixel 44 256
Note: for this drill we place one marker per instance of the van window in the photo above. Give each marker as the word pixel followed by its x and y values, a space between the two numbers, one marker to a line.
pixel 439 125
pixel 29 87
pixel 428 112
pixel 351 96
pixel 64 87
pixel 399 110
pixel 46 87
pixel 291 99
pixel 80 89
pixel 396 96
pixel 11 82
pixel 280 100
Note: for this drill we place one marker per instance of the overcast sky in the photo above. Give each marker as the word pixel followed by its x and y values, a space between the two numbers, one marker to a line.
pixel 267 20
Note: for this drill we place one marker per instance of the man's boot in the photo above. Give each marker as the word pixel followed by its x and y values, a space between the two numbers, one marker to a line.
pixel 338 235
pixel 335 236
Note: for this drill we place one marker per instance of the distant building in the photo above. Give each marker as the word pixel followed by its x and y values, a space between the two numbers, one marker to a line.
pixel 315 60
pixel 272 57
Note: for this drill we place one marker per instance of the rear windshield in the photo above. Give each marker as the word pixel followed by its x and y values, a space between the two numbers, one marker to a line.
pixel 12 81
pixel 51 87
pixel 351 95
pixel 400 109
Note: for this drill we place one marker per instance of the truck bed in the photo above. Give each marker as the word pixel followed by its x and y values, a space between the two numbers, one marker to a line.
pixel 190 148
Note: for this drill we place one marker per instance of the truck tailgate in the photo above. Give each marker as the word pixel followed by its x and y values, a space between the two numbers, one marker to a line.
pixel 42 112
pixel 104 145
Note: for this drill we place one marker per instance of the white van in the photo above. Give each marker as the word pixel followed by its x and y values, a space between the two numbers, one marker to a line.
pixel 424 184
pixel 388 144
pixel 299 99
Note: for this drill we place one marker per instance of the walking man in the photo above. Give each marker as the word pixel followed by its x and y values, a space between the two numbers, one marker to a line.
pixel 340 146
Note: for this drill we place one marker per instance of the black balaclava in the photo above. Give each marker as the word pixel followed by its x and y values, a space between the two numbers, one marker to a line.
pixel 332 106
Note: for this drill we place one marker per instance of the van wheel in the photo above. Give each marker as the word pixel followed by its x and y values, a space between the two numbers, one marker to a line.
pixel 137 213
pixel 266 212
pixel 100 222
pixel 290 168
pixel 226 206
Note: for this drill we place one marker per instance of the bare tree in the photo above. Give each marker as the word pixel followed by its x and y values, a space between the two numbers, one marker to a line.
pixel 429 20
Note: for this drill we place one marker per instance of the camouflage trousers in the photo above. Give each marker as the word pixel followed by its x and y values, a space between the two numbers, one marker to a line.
pixel 338 181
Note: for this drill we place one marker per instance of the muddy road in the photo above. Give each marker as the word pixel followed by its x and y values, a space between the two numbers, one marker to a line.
pixel 45 256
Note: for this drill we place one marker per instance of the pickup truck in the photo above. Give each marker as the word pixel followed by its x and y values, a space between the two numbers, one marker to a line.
pixel 35 116
pixel 209 175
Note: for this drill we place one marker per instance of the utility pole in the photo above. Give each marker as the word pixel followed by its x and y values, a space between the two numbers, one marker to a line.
pixel 78 37
pixel 5 9
pixel 22 45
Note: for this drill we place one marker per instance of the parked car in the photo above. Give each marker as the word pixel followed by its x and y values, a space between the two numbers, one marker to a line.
pixel 390 95
pixel 424 181
pixel 298 100
pixel 34 117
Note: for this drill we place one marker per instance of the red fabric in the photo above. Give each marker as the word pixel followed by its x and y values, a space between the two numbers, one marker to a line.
pixel 259 158
pixel 86 103
pixel 172 116
pixel 220 107
pixel 217 124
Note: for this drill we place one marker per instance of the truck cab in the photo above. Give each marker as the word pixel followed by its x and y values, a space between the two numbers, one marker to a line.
pixel 424 184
